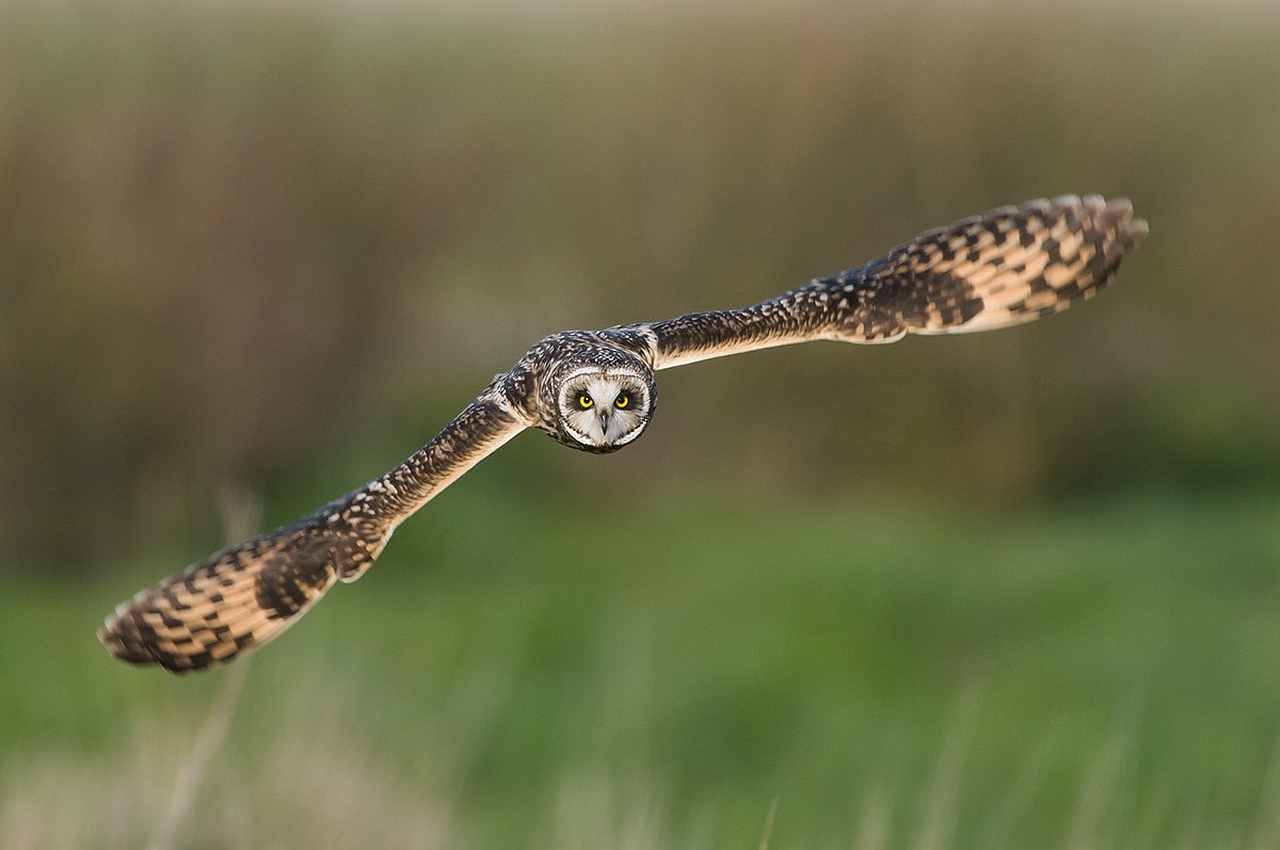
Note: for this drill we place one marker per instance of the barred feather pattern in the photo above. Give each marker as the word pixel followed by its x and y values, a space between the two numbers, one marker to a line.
pixel 241 596
pixel 1004 267
pixel 1008 266
pixel 247 594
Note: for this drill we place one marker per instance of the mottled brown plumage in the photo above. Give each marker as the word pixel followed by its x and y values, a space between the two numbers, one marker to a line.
pixel 1008 266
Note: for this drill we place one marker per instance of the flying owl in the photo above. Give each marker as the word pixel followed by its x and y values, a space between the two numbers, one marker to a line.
pixel 595 391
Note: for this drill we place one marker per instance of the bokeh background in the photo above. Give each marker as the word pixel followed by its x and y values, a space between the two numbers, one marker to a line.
pixel 995 591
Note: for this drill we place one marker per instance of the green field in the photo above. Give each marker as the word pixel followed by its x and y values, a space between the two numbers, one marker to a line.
pixel 654 677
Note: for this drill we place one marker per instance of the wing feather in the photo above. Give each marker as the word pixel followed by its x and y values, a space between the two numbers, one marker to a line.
pixel 247 594
pixel 1007 266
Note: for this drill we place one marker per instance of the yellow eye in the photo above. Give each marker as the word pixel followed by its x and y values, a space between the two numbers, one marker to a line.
pixel 622 402
pixel 585 401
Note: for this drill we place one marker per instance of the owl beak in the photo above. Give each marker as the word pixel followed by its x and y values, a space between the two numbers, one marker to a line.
pixel 604 422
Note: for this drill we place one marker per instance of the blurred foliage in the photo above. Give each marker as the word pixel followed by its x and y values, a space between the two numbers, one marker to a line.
pixel 282 246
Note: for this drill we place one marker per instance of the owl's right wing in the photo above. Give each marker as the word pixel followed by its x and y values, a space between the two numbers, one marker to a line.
pixel 247 594
pixel 1005 267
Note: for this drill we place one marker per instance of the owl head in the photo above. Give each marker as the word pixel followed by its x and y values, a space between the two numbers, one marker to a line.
pixel 604 399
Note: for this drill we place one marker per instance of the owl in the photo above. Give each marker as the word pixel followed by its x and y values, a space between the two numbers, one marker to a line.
pixel 595 391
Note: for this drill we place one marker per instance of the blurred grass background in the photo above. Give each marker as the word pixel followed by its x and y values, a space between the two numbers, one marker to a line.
pixel 1008 590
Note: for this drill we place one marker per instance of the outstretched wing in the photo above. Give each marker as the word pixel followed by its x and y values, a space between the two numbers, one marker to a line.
pixel 1004 267
pixel 245 595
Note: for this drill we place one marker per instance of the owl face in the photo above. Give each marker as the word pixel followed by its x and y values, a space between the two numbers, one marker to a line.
pixel 602 408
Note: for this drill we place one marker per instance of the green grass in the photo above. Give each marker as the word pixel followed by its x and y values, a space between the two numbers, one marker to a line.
pixel 1106 676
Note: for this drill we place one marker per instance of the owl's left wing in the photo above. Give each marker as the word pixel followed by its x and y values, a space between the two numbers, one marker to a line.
pixel 1004 267
pixel 247 594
